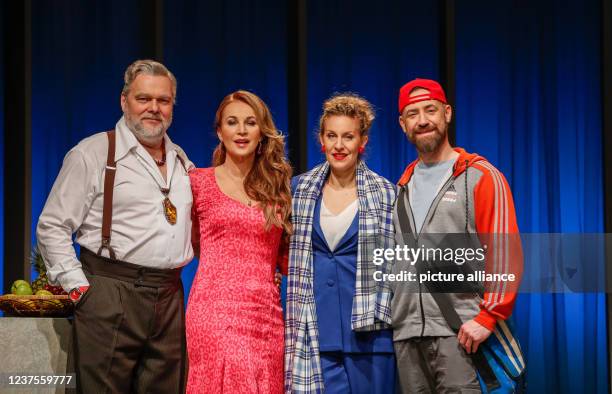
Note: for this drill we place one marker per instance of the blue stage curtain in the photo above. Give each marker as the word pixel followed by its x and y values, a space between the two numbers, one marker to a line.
pixel 528 99
pixel 80 51
pixel 370 48
pixel 215 48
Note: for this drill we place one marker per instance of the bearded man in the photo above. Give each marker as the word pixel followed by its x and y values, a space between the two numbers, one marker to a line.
pixel 127 196
pixel 447 191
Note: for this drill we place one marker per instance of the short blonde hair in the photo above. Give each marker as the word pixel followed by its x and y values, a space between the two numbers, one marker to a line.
pixel 147 67
pixel 351 105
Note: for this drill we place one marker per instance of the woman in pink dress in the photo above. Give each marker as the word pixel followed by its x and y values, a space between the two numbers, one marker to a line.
pixel 241 210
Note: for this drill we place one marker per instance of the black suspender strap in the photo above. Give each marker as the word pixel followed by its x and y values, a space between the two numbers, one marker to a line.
pixel 109 184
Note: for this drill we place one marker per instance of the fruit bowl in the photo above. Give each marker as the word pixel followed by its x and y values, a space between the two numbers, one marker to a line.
pixel 36 305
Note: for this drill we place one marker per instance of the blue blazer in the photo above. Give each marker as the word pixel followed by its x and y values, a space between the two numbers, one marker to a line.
pixel 334 287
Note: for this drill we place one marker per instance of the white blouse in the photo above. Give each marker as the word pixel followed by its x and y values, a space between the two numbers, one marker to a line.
pixel 335 226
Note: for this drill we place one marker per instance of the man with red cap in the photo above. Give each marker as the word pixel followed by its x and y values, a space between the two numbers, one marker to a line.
pixel 437 333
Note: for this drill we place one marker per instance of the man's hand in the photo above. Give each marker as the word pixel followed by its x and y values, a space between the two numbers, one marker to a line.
pixel 471 335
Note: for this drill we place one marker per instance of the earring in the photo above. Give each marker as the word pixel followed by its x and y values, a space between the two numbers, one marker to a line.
pixel 361 149
pixel 322 148
pixel 259 147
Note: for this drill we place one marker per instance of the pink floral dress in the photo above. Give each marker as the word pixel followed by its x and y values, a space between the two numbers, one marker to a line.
pixel 234 317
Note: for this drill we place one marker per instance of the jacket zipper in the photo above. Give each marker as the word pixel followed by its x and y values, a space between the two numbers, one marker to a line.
pixel 436 201
pixel 422 309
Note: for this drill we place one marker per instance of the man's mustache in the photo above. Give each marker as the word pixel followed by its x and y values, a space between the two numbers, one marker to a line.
pixel 426 130
pixel 153 118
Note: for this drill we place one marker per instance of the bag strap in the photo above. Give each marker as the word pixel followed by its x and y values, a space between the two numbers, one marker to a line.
pixel 109 184
pixel 443 301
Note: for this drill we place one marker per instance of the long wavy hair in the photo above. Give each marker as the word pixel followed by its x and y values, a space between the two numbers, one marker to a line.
pixel 269 180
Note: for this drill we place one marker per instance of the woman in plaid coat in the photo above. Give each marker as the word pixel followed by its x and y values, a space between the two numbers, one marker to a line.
pixel 337 333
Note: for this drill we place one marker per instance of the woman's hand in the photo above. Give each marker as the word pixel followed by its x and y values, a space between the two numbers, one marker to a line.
pixel 278 278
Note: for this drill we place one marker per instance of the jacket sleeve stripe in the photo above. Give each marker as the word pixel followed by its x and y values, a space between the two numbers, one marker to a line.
pixel 500 228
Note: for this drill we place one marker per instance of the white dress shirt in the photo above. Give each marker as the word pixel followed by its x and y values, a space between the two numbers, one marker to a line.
pixel 140 232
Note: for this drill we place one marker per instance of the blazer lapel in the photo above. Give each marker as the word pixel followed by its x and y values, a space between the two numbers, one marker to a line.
pixel 316 225
pixel 350 232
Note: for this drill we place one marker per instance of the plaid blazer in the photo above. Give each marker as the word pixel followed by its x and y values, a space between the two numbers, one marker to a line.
pixel 371 301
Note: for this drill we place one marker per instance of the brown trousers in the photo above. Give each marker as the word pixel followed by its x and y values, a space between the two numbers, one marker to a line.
pixel 129 329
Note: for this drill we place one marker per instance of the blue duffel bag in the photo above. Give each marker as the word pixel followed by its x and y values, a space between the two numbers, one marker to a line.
pixel 505 357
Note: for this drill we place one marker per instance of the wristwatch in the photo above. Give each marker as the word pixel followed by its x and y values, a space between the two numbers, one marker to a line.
pixel 76 293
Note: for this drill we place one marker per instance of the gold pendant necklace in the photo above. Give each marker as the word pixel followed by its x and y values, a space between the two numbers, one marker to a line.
pixel 170 211
pixel 169 208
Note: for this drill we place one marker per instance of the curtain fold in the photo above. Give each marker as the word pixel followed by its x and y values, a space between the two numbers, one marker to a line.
pixel 370 48
pixel 528 99
pixel 215 48
pixel 80 51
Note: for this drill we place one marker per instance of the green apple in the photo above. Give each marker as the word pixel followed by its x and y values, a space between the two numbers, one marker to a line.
pixel 20 283
pixel 23 290
pixel 44 293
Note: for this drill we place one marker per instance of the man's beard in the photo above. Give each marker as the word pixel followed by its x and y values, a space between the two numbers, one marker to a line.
pixel 430 143
pixel 147 134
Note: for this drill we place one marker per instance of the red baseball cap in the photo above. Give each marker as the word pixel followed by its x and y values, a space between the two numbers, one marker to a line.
pixel 435 92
